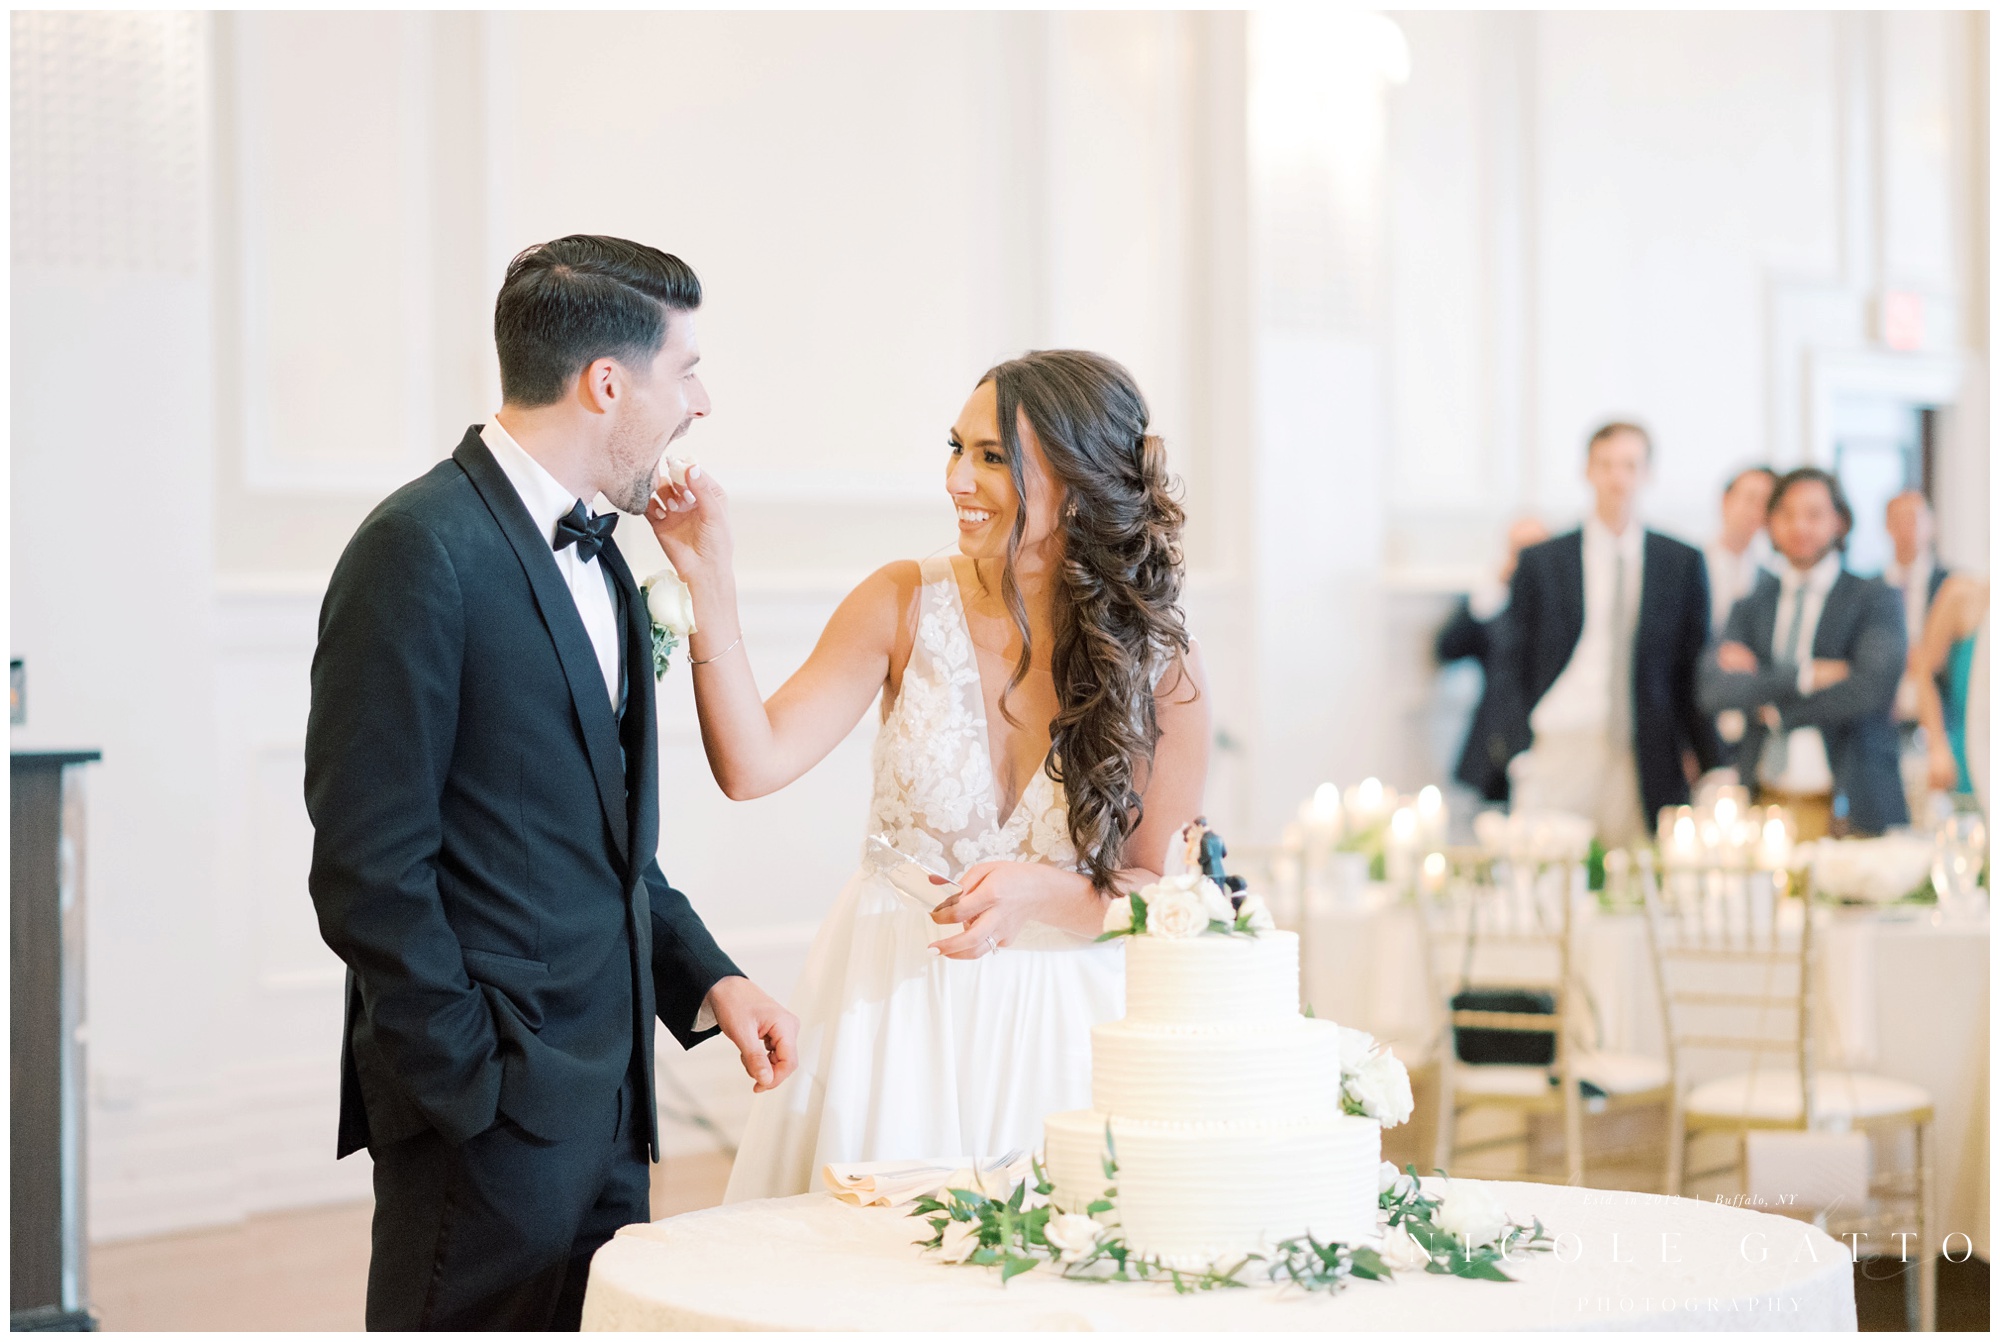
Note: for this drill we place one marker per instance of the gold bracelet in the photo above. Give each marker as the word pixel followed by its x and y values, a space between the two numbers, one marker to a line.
pixel 724 653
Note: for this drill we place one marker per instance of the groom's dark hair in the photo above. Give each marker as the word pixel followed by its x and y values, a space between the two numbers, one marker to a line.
pixel 565 304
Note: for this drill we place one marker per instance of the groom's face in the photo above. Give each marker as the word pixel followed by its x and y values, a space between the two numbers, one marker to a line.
pixel 663 398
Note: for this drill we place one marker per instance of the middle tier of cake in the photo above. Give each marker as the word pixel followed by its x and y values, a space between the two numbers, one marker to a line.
pixel 1280 1071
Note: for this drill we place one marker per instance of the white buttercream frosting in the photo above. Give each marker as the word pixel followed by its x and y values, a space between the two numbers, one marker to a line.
pixel 1213 981
pixel 1224 1106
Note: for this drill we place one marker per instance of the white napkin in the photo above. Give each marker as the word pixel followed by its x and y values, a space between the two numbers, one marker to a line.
pixel 892 1183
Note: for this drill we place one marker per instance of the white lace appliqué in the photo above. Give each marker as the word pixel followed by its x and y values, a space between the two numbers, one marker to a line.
pixel 934 792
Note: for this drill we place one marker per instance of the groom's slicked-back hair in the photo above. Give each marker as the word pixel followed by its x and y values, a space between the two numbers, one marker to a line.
pixel 565 304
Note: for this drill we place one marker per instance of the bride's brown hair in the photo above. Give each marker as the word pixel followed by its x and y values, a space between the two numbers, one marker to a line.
pixel 1117 615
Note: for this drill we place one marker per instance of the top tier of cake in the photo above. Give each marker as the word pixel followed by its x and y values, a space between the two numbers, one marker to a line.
pixel 1212 982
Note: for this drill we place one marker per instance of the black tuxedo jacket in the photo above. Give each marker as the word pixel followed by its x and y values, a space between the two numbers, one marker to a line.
pixel 1860 624
pixel 1547 609
pixel 1499 729
pixel 484 827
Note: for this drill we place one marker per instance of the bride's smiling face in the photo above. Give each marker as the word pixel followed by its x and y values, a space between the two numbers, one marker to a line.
pixel 981 484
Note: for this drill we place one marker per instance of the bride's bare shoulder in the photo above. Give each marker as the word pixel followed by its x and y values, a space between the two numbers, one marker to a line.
pixel 881 610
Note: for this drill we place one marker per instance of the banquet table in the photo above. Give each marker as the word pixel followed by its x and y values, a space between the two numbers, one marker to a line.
pixel 1903 993
pixel 1624 1260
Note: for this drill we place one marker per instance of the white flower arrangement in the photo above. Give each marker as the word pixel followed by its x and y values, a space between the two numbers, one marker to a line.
pixel 1373 1081
pixel 670 607
pixel 1178 908
pixel 1463 1233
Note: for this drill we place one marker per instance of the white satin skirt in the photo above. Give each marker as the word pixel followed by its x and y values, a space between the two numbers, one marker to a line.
pixel 905 1054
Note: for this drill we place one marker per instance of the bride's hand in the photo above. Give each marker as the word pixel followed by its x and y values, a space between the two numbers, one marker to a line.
pixel 997 899
pixel 691 522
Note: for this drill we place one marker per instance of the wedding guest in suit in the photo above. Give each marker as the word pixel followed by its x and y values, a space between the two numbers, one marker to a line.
pixel 1612 619
pixel 1812 657
pixel 1741 550
pixel 1480 629
pixel 1916 575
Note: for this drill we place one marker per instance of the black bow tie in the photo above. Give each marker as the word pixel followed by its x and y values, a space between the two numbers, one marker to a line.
pixel 588 532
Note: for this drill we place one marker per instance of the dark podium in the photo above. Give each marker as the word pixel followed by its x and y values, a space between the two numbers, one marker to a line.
pixel 46 1003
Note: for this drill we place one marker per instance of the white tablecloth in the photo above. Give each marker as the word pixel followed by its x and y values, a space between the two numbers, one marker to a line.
pixel 1904 995
pixel 813 1263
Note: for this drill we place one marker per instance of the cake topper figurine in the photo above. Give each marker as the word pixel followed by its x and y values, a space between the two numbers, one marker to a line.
pixel 1204 851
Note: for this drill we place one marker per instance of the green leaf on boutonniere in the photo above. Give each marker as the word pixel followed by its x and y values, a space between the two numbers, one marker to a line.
pixel 664 643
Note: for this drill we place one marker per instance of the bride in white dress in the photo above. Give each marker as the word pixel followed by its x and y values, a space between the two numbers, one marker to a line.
pixel 1044 733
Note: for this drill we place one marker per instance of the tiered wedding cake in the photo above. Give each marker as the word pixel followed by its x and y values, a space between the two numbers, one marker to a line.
pixel 1223 1102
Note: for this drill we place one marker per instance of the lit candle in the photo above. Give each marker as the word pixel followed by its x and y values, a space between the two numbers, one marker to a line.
pixel 1368 798
pixel 1774 853
pixel 1434 872
pixel 1430 812
pixel 1684 847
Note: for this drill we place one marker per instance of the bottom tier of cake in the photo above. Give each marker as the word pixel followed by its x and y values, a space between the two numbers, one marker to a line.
pixel 1195 1194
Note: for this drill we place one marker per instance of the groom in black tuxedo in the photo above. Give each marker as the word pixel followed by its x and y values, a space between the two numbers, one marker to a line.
pixel 482 775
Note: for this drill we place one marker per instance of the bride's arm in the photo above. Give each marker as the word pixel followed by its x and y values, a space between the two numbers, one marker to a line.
pixel 756 747
pixel 1001 897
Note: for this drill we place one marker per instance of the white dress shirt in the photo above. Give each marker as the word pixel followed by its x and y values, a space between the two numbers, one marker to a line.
pixel 1913 580
pixel 547 502
pixel 1801 766
pixel 1732 576
pixel 1580 699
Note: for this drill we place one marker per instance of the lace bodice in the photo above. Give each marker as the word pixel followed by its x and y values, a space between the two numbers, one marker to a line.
pixel 935 797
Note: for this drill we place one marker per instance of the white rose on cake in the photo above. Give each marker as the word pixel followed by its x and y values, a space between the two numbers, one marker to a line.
pixel 1118 916
pixel 1389 1177
pixel 1471 1214
pixel 1253 916
pixel 1216 900
pixel 1381 1086
pixel 1072 1235
pixel 1177 908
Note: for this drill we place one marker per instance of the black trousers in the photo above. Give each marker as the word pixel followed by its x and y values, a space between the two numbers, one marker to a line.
pixel 498 1233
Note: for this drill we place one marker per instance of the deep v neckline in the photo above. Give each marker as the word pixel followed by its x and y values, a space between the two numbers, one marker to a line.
pixel 1003 820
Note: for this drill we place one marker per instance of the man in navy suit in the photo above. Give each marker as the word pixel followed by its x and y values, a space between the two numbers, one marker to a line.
pixel 482 772
pixel 1611 620
pixel 1812 657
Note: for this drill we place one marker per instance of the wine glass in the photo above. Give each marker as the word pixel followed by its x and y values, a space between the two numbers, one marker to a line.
pixel 1958 856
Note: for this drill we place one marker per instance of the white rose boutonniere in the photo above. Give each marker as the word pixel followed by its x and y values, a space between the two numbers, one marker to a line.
pixel 1471 1214
pixel 1072 1235
pixel 670 606
pixel 1176 912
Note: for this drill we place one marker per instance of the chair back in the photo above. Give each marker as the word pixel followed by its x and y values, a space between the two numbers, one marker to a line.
pixel 1733 962
pixel 1502 926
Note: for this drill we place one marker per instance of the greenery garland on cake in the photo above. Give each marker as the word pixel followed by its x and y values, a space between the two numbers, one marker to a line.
pixel 1460 1233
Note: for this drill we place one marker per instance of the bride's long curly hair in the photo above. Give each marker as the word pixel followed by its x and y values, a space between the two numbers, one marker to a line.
pixel 1117 586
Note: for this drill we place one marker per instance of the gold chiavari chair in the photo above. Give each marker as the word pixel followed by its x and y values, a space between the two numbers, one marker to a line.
pixel 1737 978
pixel 1530 923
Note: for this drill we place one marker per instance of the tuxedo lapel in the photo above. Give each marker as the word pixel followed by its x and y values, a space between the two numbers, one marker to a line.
pixel 637 732
pixel 559 615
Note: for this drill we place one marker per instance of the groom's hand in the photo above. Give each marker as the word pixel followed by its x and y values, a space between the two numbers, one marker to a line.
pixel 763 1032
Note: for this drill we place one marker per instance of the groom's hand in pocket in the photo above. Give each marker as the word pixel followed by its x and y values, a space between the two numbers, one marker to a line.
pixel 764 1032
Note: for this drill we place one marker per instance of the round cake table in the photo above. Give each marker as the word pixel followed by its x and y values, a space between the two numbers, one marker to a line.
pixel 1624 1260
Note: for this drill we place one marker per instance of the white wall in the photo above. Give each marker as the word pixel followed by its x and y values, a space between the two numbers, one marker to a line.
pixel 1374 320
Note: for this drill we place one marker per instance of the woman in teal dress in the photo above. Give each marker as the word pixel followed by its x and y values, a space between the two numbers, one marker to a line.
pixel 1954 644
